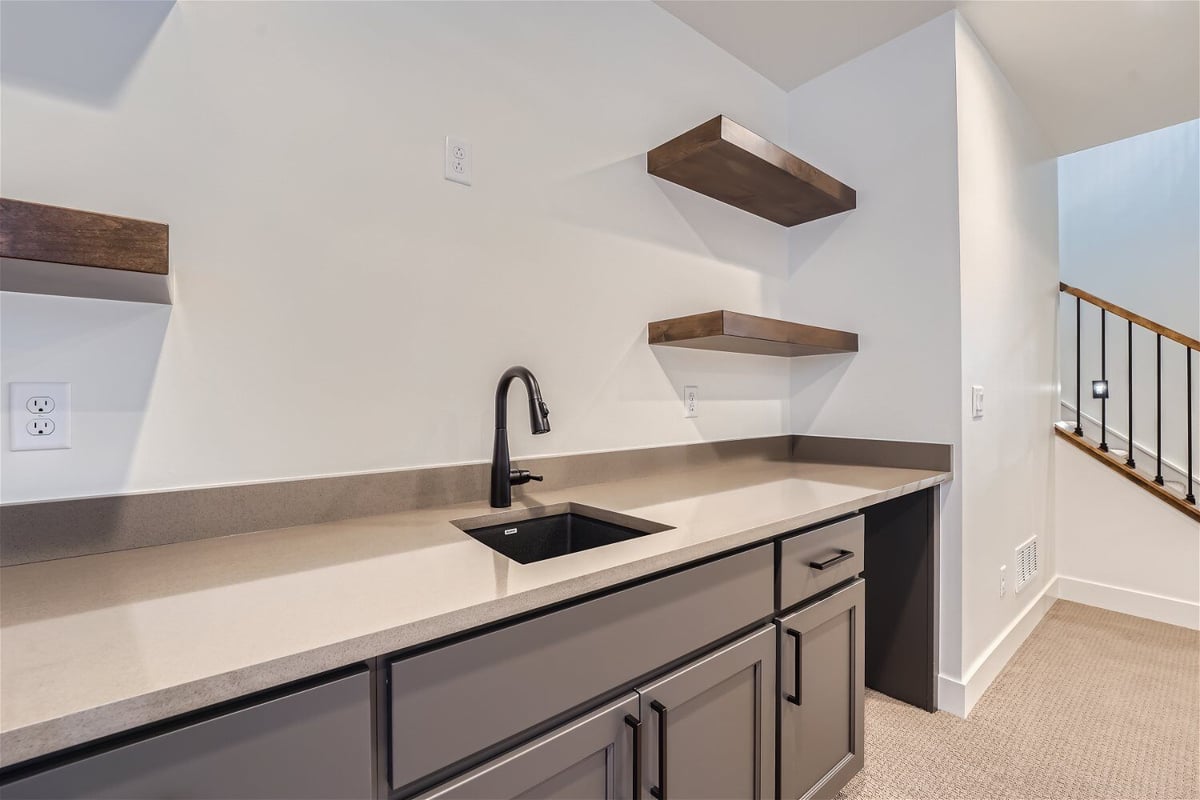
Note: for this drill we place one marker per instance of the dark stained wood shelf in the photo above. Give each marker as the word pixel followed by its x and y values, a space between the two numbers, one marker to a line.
pixel 63 251
pixel 729 163
pixel 744 333
pixel 37 232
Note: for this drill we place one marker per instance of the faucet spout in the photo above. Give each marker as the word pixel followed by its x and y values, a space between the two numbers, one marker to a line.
pixel 504 477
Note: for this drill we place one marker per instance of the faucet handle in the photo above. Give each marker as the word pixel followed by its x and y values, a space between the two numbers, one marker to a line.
pixel 518 476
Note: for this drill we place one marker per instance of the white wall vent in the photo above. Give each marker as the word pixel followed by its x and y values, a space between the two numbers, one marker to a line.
pixel 1027 563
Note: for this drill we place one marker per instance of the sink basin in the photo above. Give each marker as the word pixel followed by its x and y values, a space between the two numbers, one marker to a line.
pixel 529 535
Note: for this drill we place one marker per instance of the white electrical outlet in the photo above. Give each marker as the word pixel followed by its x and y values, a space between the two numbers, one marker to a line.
pixel 976 402
pixel 39 416
pixel 40 405
pixel 691 402
pixel 40 427
pixel 458 161
pixel 1003 584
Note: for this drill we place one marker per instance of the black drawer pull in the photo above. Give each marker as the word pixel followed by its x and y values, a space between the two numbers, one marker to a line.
pixel 660 792
pixel 636 724
pixel 796 699
pixel 829 562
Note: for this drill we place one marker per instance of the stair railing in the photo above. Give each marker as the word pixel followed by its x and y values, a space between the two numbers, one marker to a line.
pixel 1100 388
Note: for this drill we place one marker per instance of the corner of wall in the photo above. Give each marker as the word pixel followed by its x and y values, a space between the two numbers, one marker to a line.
pixel 1008 271
pixel 958 696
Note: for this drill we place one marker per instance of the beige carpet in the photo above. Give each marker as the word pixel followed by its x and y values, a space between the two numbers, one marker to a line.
pixel 1094 705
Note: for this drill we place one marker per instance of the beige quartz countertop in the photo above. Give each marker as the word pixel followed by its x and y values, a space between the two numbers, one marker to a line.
pixel 98 644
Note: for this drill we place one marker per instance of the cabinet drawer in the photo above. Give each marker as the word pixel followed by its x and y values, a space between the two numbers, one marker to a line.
pixel 839 547
pixel 452 703
pixel 315 743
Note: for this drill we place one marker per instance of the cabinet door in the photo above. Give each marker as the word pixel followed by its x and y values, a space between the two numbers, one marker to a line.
pixel 709 727
pixel 821 695
pixel 592 758
pixel 315 743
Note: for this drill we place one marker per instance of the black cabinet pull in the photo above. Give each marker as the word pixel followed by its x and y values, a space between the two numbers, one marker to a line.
pixel 660 792
pixel 796 699
pixel 636 724
pixel 829 562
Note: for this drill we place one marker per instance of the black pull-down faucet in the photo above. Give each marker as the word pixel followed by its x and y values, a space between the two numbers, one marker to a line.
pixel 504 477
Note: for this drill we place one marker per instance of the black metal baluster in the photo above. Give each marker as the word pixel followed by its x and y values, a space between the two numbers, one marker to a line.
pixel 1078 377
pixel 1158 478
pixel 1191 497
pixel 1104 378
pixel 1129 462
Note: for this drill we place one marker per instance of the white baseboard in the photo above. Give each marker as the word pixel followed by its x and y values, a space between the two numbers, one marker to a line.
pixel 1130 601
pixel 959 697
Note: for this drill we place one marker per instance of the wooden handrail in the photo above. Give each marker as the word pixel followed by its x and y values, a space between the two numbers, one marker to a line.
pixel 1118 464
pixel 1136 319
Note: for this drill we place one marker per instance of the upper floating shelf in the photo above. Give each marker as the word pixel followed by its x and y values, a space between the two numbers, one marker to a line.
pixel 63 251
pixel 744 333
pixel 729 163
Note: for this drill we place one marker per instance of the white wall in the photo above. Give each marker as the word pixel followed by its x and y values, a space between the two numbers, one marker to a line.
pixel 948 270
pixel 1121 548
pixel 339 306
pixel 296 151
pixel 1129 217
pixel 884 123
pixel 1008 234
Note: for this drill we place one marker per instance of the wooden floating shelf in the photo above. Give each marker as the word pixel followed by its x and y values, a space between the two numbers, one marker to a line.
pixel 744 333
pixel 729 163
pixel 64 251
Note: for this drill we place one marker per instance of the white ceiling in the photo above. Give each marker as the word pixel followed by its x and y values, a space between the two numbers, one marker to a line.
pixel 1090 71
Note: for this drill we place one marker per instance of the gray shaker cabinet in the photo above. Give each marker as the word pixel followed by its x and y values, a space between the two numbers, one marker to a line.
pixel 821 685
pixel 453 704
pixel 708 729
pixel 591 758
pixel 315 743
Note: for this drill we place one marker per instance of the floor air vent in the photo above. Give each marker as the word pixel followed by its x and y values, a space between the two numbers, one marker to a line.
pixel 1027 563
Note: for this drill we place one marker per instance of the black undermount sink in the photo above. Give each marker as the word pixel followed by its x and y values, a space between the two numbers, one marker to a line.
pixel 539 534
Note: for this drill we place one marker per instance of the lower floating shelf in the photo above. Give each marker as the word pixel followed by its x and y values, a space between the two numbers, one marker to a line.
pixel 744 333
pixel 63 251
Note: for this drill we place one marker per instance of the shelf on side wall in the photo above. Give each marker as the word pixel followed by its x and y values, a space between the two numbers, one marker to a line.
pixel 53 250
pixel 727 162
pixel 744 333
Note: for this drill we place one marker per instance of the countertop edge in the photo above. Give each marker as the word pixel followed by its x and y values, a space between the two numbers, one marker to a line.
pixel 43 738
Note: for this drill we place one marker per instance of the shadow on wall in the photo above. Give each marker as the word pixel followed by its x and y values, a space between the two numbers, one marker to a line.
pixel 688 222
pixel 814 380
pixel 88 343
pixel 729 378
pixel 729 234
pixel 77 49
pixel 813 237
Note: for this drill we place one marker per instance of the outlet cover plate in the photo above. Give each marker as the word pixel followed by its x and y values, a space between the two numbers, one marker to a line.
pixel 458 161
pixel 21 433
